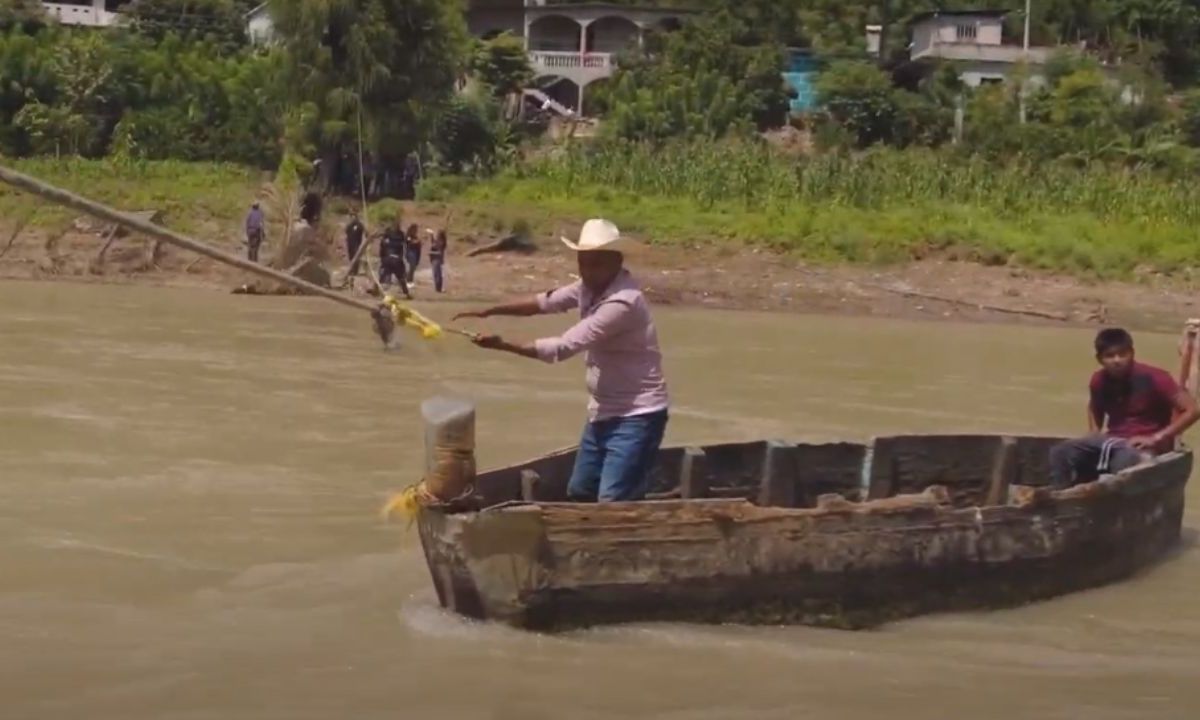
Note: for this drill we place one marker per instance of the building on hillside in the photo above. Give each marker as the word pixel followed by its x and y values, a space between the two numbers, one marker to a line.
pixel 874 36
pixel 260 29
pixel 86 13
pixel 974 41
pixel 571 46
pixel 804 65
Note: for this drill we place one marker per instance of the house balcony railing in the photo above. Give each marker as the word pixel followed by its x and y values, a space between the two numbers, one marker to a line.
pixel 549 61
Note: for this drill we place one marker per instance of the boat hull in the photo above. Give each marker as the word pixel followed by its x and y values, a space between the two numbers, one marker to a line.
pixel 550 565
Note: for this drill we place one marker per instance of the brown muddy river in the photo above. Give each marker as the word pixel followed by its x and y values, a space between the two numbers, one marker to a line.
pixel 190 481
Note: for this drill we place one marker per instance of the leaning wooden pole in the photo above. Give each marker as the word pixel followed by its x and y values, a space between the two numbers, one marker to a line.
pixel 1190 355
pixel 69 199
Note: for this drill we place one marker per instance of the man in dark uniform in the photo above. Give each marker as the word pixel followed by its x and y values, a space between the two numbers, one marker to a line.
pixel 354 238
pixel 391 256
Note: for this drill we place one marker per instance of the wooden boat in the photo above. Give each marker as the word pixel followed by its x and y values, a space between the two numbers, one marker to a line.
pixel 843 535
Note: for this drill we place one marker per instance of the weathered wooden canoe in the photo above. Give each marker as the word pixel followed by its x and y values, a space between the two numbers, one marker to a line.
pixel 843 535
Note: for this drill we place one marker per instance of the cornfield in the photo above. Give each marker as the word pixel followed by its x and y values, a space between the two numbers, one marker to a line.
pixel 758 177
pixel 883 205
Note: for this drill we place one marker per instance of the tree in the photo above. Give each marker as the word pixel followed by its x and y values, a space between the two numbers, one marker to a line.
pixel 89 93
pixel 76 119
pixel 470 133
pixel 716 75
pixel 392 63
pixel 502 64
pixel 858 96
pixel 23 15
pixel 1190 121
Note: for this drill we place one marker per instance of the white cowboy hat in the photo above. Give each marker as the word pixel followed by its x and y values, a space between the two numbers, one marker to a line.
pixel 596 234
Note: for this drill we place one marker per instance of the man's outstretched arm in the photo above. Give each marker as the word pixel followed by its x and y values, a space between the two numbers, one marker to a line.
pixel 610 319
pixel 520 308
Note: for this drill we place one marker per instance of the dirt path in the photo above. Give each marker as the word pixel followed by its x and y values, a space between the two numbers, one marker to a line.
pixel 733 278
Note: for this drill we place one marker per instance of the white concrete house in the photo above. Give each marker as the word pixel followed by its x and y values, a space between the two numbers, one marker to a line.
pixel 86 13
pixel 973 41
pixel 571 46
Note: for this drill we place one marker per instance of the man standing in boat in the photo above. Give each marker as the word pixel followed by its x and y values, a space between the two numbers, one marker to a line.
pixel 1135 411
pixel 628 410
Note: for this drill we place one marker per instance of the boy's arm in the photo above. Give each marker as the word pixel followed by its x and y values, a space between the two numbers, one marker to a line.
pixel 1095 411
pixel 1186 414
pixel 1095 418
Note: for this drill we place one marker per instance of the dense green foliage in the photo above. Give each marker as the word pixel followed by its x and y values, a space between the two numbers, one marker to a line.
pixel 91 94
pixel 502 64
pixel 391 64
pixel 26 15
pixel 471 136
pixel 1163 31
pixel 717 74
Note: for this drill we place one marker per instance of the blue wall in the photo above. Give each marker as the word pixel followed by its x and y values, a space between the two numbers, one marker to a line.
pixel 800 74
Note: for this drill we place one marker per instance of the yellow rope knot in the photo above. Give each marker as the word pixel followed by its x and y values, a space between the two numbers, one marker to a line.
pixel 404 315
pixel 407 503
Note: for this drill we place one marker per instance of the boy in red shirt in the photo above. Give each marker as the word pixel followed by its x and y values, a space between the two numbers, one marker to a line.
pixel 1135 412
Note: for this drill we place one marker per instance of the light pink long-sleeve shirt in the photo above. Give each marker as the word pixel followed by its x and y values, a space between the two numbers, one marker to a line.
pixel 624 363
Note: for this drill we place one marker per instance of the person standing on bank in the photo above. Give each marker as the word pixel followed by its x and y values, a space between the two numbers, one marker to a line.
pixel 255 231
pixel 391 257
pixel 354 238
pixel 628 410
pixel 437 256
pixel 412 250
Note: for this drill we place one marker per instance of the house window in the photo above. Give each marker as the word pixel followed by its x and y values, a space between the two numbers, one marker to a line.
pixel 966 32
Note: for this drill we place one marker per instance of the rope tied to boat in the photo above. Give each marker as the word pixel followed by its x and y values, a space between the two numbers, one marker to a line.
pixel 408 502
pixel 449 460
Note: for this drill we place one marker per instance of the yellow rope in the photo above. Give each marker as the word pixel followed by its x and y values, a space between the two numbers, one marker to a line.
pixel 406 503
pixel 404 315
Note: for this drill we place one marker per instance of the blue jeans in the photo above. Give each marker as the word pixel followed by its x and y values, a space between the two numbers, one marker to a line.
pixel 412 258
pixel 615 457
pixel 436 262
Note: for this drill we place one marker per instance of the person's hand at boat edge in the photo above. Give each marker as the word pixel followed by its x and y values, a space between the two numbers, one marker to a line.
pixel 1147 442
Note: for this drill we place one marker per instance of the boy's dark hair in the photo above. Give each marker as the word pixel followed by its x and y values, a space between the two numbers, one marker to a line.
pixel 1111 339
pixel 310 208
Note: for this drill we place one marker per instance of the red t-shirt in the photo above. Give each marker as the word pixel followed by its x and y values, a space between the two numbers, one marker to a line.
pixel 1138 405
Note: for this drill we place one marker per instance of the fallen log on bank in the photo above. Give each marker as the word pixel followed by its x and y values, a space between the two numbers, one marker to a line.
pixel 512 243
pixel 1060 317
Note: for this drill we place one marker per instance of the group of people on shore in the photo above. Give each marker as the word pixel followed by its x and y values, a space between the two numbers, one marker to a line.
pixel 400 252
pixel 400 249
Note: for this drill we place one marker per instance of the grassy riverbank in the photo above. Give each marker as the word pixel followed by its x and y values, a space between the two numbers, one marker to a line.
pixel 193 197
pixel 710 253
pixel 881 207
